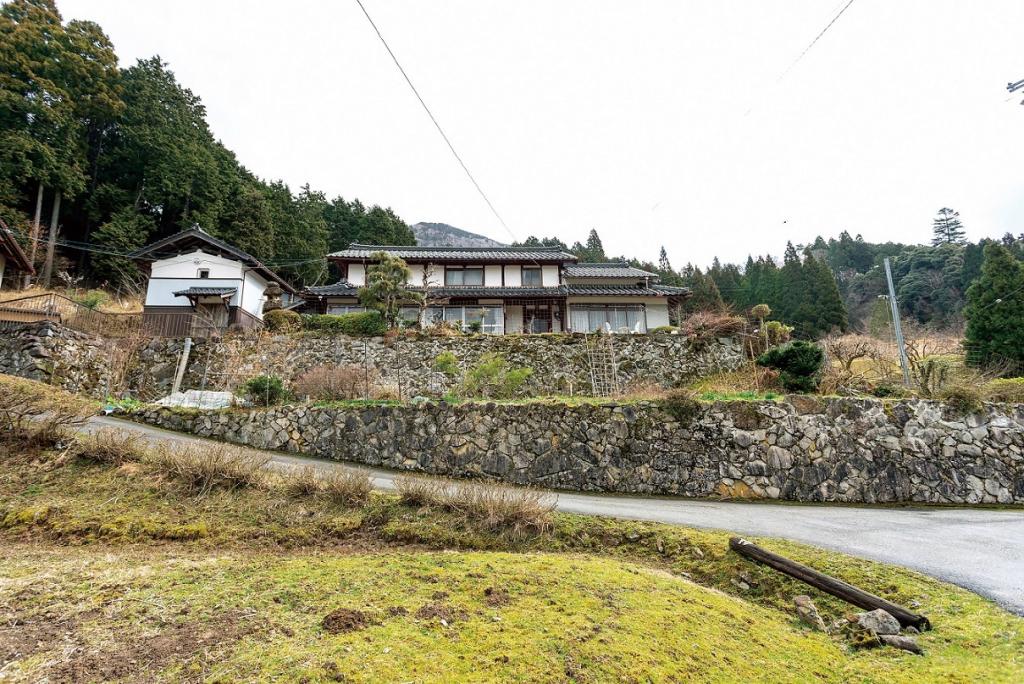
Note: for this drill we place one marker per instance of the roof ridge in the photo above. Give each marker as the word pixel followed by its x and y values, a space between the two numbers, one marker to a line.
pixel 455 248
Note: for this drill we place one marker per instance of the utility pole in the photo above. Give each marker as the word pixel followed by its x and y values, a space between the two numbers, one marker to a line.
pixel 897 328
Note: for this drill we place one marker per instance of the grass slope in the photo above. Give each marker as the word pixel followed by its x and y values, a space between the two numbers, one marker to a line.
pixel 111 574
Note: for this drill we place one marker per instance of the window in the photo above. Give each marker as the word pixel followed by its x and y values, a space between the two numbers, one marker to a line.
pixel 623 318
pixel 470 276
pixel 204 273
pixel 532 277
pixel 491 318
pixel 339 309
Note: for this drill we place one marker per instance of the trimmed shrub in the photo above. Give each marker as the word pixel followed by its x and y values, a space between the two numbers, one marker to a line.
pixel 961 399
pixel 360 324
pixel 492 378
pixel 110 447
pixel 346 487
pixel 265 390
pixel 335 383
pixel 205 468
pixel 799 364
pixel 282 321
pixel 681 405
pixel 1009 390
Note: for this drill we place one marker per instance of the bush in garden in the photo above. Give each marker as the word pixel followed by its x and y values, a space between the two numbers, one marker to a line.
pixel 265 390
pixel 705 326
pixel 1009 390
pixel 681 405
pixel 359 324
pixel 492 378
pixel 963 399
pixel 446 363
pixel 334 383
pixel 280 320
pixel 799 364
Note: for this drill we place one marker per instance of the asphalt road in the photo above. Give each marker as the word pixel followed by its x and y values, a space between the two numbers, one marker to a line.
pixel 978 549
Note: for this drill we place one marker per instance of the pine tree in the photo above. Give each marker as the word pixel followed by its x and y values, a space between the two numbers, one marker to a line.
pixel 995 310
pixel 947 228
pixel 387 287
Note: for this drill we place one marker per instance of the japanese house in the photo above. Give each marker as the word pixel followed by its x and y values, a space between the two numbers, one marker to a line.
pixel 199 285
pixel 502 290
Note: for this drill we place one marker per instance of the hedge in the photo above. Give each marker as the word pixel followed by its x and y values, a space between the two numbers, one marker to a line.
pixel 362 324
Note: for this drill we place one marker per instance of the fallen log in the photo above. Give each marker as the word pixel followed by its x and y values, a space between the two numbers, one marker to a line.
pixel 827 584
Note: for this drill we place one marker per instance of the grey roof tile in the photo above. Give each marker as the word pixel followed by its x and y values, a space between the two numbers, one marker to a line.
pixel 205 292
pixel 617 269
pixel 549 255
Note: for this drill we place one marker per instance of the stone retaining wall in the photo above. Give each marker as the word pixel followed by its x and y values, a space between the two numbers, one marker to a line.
pixel 842 450
pixel 145 368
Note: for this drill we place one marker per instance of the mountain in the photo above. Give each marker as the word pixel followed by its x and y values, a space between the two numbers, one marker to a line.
pixel 443 235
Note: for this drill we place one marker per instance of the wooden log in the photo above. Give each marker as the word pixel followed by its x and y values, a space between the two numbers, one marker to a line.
pixel 827 584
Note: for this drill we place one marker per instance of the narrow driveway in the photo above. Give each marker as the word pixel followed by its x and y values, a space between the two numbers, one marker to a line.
pixel 978 549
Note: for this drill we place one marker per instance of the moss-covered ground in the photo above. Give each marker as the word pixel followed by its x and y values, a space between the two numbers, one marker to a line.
pixel 118 574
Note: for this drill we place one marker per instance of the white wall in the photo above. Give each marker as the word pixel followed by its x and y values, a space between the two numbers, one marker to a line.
pixel 492 275
pixel 253 294
pixel 357 274
pixel 657 314
pixel 513 276
pixel 3 264
pixel 549 276
pixel 189 265
pixel 161 292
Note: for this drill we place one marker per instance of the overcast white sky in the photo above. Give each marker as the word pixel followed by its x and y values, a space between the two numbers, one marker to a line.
pixel 653 122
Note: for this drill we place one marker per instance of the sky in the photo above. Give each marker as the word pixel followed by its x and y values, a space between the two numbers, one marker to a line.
pixel 656 123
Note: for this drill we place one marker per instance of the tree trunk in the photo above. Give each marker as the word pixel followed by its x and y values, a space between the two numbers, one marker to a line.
pixel 35 233
pixel 830 585
pixel 51 241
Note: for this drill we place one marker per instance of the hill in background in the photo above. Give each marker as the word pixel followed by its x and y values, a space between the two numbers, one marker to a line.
pixel 443 235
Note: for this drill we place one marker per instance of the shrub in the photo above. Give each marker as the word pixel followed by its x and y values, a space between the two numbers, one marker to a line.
pixel 798 363
pixel 705 326
pixel 961 399
pixel 265 390
pixel 93 299
pixel 446 363
pixel 475 326
pixel 496 507
pixel 361 324
pixel 301 481
pixel 205 468
pixel 1009 390
pixel 681 405
pixel 346 487
pixel 492 378
pixel 663 329
pixel 111 447
pixel 39 413
pixel 280 320
pixel 334 383
pixel 885 390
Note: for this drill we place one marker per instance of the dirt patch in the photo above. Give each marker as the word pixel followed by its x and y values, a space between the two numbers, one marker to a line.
pixel 495 597
pixel 441 611
pixel 397 611
pixel 136 659
pixel 439 596
pixel 345 620
pixel 21 638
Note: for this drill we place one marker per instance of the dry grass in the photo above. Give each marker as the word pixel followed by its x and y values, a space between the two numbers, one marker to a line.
pixel 517 511
pixel 205 468
pixel 346 487
pixel 119 303
pixel 745 379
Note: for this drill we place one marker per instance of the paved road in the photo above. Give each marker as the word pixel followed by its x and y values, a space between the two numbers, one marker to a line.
pixel 979 549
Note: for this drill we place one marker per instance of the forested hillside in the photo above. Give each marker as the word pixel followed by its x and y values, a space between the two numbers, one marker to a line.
pixel 833 285
pixel 125 155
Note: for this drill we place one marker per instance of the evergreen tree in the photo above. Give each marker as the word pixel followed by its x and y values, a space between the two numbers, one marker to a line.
pixel 705 295
pixel 387 287
pixel 947 228
pixel 663 263
pixel 125 232
pixel 995 310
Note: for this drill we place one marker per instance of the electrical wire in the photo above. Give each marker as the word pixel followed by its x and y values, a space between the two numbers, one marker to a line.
pixel 812 43
pixel 437 125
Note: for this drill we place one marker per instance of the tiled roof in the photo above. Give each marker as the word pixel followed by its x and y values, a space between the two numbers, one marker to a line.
pixel 618 269
pixel 205 292
pixel 342 288
pixel 628 291
pixel 9 245
pixel 551 255
pixel 197 238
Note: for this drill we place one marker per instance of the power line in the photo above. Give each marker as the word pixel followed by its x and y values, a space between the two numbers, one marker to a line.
pixel 811 44
pixel 434 119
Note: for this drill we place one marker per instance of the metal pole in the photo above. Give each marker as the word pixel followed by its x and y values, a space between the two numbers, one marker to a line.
pixel 897 328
